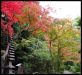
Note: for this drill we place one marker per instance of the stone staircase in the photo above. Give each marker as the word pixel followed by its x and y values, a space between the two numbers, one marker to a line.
pixel 9 68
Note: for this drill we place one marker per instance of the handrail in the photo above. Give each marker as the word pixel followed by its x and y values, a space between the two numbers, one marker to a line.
pixel 4 56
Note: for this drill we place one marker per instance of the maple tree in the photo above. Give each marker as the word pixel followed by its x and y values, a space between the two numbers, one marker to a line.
pixel 58 34
pixel 9 9
pixel 62 43
pixel 26 13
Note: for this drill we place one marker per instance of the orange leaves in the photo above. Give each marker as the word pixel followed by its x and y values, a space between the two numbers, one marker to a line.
pixel 69 55
pixel 31 14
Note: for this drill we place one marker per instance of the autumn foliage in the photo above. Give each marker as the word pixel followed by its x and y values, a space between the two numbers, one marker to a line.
pixel 26 12
pixel 62 40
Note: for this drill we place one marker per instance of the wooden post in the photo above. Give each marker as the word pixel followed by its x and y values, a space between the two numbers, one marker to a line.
pixel 20 69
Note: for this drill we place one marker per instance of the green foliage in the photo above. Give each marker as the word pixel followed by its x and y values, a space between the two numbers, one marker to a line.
pixel 25 25
pixel 25 34
pixel 33 53
pixel 52 34
pixel 40 35
pixel 75 67
pixel 16 27
pixel 77 22
pixel 20 31
pixel 62 36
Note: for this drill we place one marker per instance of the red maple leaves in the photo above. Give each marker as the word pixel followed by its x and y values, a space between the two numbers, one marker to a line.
pixel 26 12
pixel 11 9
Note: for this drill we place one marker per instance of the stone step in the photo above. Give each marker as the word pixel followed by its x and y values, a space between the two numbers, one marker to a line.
pixel 11 48
pixel 11 53
pixel 12 45
pixel 11 39
pixel 11 56
pixel 11 71
pixel 11 59
pixel 9 67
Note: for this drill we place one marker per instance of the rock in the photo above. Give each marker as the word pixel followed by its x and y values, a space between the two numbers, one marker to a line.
pixel 35 73
pixel 2 52
pixel 67 72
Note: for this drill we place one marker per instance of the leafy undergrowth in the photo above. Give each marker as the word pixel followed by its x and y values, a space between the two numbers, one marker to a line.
pixel 35 56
